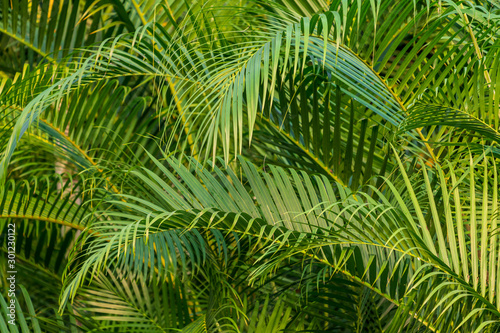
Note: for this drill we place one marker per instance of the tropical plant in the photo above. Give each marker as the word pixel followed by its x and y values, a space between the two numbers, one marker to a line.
pixel 251 166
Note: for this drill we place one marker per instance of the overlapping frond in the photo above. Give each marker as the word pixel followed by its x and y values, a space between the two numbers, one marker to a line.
pixel 337 164
pixel 373 242
pixel 47 214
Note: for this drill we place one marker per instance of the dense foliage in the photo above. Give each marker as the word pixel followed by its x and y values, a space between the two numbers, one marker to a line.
pixel 251 166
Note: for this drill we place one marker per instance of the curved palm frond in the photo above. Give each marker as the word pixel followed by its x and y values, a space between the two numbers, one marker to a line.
pixel 336 171
pixel 298 215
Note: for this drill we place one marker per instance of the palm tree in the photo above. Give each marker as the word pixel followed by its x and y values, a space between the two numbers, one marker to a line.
pixel 250 166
